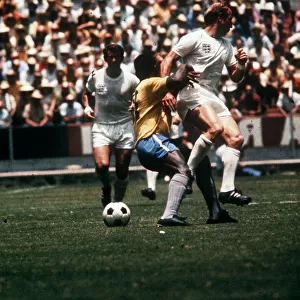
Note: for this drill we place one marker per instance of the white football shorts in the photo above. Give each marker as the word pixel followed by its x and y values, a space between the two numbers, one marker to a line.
pixel 119 135
pixel 191 97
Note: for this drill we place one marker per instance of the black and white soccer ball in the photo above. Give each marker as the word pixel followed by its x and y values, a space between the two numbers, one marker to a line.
pixel 116 214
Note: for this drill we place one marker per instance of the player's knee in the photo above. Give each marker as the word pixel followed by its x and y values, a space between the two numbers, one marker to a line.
pixel 215 130
pixel 101 168
pixel 184 170
pixel 236 141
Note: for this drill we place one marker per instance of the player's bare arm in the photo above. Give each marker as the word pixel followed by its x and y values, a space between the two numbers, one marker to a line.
pixel 169 100
pixel 88 111
pixel 237 71
pixel 166 64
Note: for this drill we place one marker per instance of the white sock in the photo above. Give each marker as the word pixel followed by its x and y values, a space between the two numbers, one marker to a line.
pixel 200 149
pixel 151 179
pixel 230 160
pixel 177 188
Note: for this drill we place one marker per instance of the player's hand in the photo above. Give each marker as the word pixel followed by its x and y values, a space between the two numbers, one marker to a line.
pixel 241 57
pixel 169 102
pixel 184 76
pixel 89 112
pixel 130 105
pixel 192 77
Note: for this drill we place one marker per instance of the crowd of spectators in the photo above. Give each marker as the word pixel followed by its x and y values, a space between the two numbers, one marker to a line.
pixel 49 47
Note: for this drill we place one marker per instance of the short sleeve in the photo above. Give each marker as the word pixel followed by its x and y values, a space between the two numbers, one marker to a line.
pixel 296 99
pixel 231 60
pixel 63 110
pixel 26 111
pixel 185 46
pixel 90 84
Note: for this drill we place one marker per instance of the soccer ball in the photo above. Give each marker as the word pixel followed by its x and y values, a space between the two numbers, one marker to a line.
pixel 116 214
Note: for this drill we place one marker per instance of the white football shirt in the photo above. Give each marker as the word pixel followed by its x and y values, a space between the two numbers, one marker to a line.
pixel 207 55
pixel 112 96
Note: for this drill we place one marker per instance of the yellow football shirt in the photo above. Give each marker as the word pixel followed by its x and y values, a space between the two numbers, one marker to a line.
pixel 148 115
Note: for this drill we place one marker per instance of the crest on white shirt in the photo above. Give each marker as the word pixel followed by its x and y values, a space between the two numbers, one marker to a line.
pixel 206 48
pixel 101 89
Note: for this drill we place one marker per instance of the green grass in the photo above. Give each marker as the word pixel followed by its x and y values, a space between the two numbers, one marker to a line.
pixel 54 245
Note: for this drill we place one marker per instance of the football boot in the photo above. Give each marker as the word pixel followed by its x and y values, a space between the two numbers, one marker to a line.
pixel 222 217
pixel 234 197
pixel 148 193
pixel 174 221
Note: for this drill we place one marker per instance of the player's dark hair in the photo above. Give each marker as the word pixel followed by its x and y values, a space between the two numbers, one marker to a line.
pixel 215 12
pixel 115 49
pixel 145 66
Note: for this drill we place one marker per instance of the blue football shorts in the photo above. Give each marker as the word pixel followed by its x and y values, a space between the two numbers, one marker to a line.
pixel 152 150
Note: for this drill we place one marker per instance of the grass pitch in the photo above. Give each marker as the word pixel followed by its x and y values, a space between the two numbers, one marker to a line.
pixel 54 245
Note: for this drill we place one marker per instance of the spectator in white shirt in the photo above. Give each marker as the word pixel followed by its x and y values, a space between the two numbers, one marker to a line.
pixel 71 110
pixel 50 72
pixel 9 100
pixel 5 119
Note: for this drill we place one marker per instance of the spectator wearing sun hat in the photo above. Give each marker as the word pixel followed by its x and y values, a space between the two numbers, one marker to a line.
pixel 53 46
pixel 167 45
pixel 55 31
pixel 84 66
pixel 193 15
pixel 263 55
pixel 5 119
pixel 111 29
pixel 146 8
pixel 69 6
pixel 42 20
pixel 14 85
pixel 50 72
pixel 288 101
pixel 125 8
pixel 135 35
pixel 152 32
pixel 65 88
pixel 65 52
pixel 103 11
pixel 52 11
pixel 41 34
pixel 8 99
pixel 71 70
pixel 47 90
pixel 4 35
pixel 182 22
pixel 35 113
pixel 21 35
pixel 173 15
pixel 162 12
pixel 8 65
pixel 138 18
pixel 258 33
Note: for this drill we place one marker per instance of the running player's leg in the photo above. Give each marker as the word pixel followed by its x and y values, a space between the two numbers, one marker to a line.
pixel 174 162
pixel 123 158
pixel 157 153
pixel 230 158
pixel 206 184
pixel 205 181
pixel 205 118
pixel 102 162
pixel 123 151
pixel 149 192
